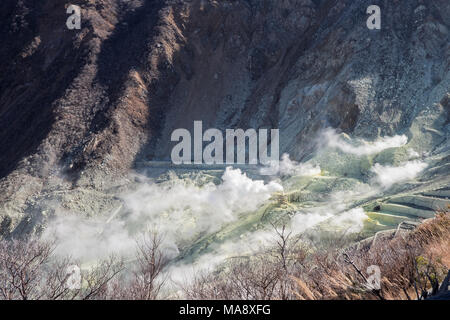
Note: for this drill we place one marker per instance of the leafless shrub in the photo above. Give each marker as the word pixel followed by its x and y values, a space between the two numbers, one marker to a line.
pixel 412 265
pixel 30 271
pixel 244 279
pixel 147 279
pixel 55 280
pixel 21 269
pixel 264 276
pixel 411 268
pixel 98 279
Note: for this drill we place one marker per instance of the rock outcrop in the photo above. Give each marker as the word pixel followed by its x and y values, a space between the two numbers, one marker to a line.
pixel 79 108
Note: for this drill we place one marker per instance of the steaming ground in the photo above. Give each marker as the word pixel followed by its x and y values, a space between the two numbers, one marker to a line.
pixel 208 216
pixel 387 176
pixel 361 147
pixel 180 209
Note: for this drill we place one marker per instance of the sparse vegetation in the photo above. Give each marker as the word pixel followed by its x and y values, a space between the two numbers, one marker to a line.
pixel 413 266
pixel 29 270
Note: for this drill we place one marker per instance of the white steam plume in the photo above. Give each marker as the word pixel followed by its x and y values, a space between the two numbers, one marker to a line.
pixel 361 147
pixel 178 209
pixel 351 221
pixel 288 167
pixel 387 176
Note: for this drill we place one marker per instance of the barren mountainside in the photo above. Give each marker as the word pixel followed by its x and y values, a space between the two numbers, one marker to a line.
pixel 80 108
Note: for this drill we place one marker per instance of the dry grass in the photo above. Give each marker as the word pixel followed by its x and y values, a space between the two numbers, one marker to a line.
pixel 412 267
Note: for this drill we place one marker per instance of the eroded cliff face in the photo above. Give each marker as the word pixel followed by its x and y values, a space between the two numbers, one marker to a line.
pixel 80 108
pixel 302 66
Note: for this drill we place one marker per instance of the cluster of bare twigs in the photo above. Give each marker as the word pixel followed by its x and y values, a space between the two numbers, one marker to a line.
pixel 414 266
pixel 29 270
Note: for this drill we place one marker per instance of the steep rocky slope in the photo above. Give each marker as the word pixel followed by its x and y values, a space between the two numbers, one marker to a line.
pixel 80 108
